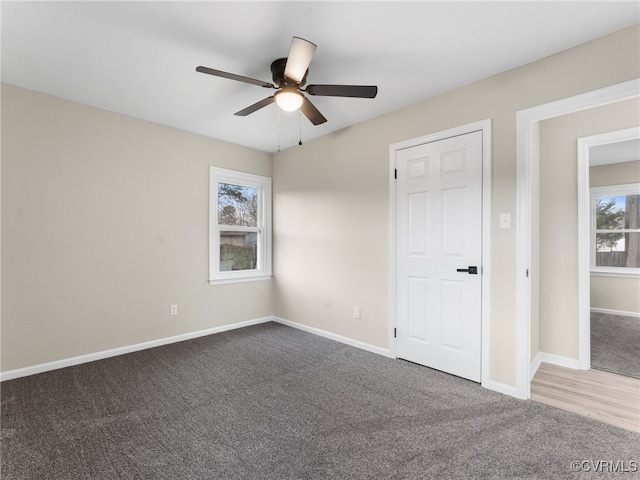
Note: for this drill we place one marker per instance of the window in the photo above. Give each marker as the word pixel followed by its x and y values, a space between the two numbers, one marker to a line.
pixel 240 226
pixel 615 230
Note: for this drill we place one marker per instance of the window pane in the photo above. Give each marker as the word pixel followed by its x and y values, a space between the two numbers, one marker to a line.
pixel 618 250
pixel 237 205
pixel 617 212
pixel 238 251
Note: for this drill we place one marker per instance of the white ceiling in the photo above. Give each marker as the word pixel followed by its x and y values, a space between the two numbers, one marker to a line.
pixel 618 152
pixel 139 58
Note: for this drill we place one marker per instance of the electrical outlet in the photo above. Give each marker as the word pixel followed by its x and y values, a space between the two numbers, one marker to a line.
pixel 356 312
pixel 174 309
pixel 505 220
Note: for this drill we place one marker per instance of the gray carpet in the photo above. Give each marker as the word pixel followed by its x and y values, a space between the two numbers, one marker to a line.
pixel 271 402
pixel 615 344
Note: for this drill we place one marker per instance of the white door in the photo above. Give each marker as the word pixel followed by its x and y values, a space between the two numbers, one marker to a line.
pixel 439 233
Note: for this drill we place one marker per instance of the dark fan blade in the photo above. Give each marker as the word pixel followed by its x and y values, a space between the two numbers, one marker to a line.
pixel 359 91
pixel 311 112
pixel 256 106
pixel 233 76
pixel 300 55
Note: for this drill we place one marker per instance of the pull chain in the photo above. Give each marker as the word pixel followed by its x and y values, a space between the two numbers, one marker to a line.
pixel 278 129
pixel 300 122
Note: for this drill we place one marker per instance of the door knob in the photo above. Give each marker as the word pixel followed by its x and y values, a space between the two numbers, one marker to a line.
pixel 471 270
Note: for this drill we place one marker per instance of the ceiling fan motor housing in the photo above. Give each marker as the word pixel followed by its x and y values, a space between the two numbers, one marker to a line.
pixel 277 71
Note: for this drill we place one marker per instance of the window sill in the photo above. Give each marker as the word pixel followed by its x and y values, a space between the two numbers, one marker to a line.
pixel 222 281
pixel 633 274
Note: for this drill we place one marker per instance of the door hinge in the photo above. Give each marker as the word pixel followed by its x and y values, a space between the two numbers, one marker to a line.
pixel 395 173
pixel 527 273
pixel 394 333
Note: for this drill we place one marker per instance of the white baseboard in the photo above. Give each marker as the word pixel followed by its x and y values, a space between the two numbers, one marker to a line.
pixel 114 352
pixel 554 360
pixel 332 336
pixel 501 388
pixel 615 312
pixel 535 365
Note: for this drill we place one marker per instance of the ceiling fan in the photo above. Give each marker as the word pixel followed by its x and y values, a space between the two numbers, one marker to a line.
pixel 290 75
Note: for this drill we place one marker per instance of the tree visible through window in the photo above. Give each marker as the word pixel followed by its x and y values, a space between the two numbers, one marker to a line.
pixel 238 207
pixel 616 228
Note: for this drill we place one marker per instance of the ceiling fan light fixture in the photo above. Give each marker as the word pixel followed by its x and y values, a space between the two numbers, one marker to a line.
pixel 289 100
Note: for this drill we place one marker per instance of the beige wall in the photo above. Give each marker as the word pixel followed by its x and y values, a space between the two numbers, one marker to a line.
pixel 331 196
pixel 558 311
pixel 104 225
pixel 615 174
pixel 615 293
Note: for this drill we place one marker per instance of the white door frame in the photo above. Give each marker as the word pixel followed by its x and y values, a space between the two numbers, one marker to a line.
pixel 485 127
pixel 527 122
pixel 584 235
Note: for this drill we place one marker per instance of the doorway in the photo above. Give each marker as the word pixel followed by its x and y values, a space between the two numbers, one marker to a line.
pixel 609 263
pixel 527 163
pixel 439 256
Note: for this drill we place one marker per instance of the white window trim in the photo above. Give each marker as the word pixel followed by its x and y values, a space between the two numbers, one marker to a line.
pixel 263 184
pixel 610 190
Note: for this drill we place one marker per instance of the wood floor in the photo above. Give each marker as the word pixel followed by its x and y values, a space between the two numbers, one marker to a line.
pixel 603 396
